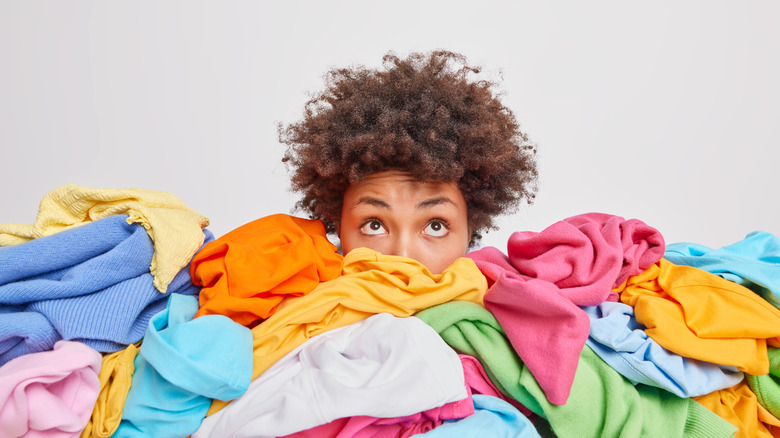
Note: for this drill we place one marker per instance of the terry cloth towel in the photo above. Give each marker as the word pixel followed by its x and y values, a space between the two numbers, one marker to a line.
pixel 183 363
pixel 753 262
pixel 622 342
pixel 371 283
pixel 700 315
pixel 174 228
pixel 767 387
pixel 492 417
pixel 602 403
pixel 116 377
pixel 49 393
pixel 350 371
pixel 535 289
pixel 739 406
pixel 247 272
pixel 90 284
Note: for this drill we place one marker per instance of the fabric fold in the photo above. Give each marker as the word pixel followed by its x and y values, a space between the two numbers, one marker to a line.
pixel 182 364
pixel 89 284
pixel 602 402
pixel 537 287
pixel 175 228
pixel 50 393
pixel 622 343
pixel 753 262
pixel 350 371
pixel 371 283
pixel 700 315
pixel 247 272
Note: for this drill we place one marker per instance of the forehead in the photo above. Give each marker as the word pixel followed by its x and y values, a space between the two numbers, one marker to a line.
pixel 400 187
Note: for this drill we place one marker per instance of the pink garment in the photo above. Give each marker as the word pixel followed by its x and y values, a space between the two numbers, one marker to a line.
pixel 50 393
pixel 478 381
pixel 537 288
pixel 397 427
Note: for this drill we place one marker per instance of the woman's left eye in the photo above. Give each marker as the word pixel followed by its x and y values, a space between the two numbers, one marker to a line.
pixel 436 228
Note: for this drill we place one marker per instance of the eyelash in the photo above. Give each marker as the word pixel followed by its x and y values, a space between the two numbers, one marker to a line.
pixel 437 220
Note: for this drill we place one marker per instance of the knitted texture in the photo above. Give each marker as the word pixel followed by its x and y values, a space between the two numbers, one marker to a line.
pixel 174 228
pixel 90 283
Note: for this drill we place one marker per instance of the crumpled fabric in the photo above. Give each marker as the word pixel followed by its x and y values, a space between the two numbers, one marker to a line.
pixel 174 227
pixel 537 287
pixel 753 262
pixel 700 315
pixel 50 393
pixel 246 273
pixel 89 284
pixel 621 341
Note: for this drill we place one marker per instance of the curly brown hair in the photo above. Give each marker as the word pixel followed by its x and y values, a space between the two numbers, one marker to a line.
pixel 421 115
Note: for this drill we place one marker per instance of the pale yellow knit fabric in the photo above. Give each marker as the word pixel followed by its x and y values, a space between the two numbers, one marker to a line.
pixel 175 229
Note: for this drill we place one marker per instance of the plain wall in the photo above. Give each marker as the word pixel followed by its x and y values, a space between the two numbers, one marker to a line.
pixel 664 111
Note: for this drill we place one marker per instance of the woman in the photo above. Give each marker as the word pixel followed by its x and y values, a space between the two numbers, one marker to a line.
pixel 414 159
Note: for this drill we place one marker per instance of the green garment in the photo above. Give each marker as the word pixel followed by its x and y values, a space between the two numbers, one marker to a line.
pixel 602 402
pixel 767 387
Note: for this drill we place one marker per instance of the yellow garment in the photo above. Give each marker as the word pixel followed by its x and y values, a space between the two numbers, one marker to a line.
pixel 739 406
pixel 175 229
pixel 371 283
pixel 700 315
pixel 116 376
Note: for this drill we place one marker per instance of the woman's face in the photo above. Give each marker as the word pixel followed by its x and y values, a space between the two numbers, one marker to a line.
pixel 395 214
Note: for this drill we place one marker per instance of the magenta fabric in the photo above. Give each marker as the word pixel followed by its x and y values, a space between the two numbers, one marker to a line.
pixel 50 393
pixel 537 287
pixel 397 427
pixel 478 381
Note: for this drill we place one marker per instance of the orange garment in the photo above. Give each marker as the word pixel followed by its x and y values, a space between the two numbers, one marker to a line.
pixel 739 406
pixel 700 315
pixel 246 273
pixel 371 283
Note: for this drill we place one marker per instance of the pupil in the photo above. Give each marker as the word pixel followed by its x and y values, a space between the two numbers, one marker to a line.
pixel 374 226
pixel 436 226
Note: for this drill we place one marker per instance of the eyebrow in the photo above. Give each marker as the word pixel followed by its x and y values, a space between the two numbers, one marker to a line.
pixel 428 203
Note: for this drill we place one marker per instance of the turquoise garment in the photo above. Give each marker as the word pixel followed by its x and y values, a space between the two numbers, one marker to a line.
pixel 183 363
pixel 492 417
pixel 753 262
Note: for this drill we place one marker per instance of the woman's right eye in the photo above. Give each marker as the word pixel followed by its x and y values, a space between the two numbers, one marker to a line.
pixel 373 227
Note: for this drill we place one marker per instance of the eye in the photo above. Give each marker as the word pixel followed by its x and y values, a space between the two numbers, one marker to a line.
pixel 436 228
pixel 373 227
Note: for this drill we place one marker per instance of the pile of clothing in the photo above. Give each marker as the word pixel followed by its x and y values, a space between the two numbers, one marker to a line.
pixel 122 315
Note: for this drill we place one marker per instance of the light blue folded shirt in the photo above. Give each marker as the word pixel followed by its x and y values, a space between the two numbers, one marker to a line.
pixel 492 417
pixel 753 262
pixel 182 364
pixel 621 342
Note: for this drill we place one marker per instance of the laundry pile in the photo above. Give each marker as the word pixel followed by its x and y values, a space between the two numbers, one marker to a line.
pixel 122 315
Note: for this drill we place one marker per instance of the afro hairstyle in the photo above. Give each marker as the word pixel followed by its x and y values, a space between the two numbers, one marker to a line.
pixel 422 114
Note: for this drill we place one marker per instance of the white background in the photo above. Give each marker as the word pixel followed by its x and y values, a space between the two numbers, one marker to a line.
pixel 665 111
